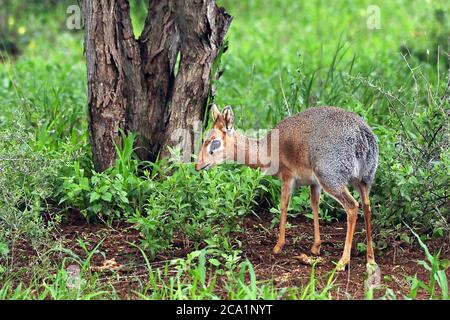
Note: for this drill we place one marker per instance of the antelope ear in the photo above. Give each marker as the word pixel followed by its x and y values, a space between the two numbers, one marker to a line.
pixel 215 112
pixel 228 118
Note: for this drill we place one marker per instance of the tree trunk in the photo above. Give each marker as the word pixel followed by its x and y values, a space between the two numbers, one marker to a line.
pixel 132 84
pixel 202 30
pixel 159 43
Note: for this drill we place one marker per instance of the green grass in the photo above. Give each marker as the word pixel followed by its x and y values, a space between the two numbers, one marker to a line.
pixel 209 273
pixel 284 56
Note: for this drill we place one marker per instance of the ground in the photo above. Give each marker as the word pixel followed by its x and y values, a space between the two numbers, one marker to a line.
pixel 396 263
pixel 129 268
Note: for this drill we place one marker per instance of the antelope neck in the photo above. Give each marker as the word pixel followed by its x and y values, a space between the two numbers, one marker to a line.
pixel 249 151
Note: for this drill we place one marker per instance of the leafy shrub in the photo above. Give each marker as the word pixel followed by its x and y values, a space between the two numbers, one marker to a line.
pixel 197 205
pixel 102 195
pixel 412 183
pixel 27 183
pixel 113 194
pixel 437 276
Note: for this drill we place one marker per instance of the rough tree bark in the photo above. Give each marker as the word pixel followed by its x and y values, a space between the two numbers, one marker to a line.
pixel 132 85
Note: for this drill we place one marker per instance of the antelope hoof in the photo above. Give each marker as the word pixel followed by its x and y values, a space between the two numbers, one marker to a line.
pixel 278 248
pixel 371 264
pixel 372 267
pixel 371 261
pixel 342 264
pixel 315 249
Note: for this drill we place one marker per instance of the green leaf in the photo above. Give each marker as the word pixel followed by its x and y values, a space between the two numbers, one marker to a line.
pixel 443 283
pixel 84 184
pixel 104 189
pixel 415 285
pixel 445 264
pixel 423 245
pixel 274 210
pixel 214 262
pixel 107 197
pixel 4 250
pixel 96 208
pixel 124 199
pixel 309 216
pixel 94 197
pixel 424 264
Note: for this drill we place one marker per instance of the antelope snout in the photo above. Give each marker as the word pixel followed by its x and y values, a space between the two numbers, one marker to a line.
pixel 198 166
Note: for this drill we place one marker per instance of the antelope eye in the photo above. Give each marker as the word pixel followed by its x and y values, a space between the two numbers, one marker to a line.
pixel 213 146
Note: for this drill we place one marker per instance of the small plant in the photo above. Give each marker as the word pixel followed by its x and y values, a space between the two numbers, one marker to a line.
pixel 4 250
pixel 209 273
pixel 110 195
pixel 101 196
pixel 437 276
pixel 28 180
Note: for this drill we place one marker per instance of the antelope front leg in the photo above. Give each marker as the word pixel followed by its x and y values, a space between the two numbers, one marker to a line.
pixel 286 190
pixel 315 199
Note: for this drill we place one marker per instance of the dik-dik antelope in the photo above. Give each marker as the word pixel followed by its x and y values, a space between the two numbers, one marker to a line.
pixel 325 147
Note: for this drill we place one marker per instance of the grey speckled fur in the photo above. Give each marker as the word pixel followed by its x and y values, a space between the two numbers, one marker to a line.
pixel 337 144
pixel 325 147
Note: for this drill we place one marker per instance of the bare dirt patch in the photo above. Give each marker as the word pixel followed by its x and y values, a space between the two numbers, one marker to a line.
pixel 395 263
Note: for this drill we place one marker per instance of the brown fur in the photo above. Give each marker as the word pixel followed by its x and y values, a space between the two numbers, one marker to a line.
pixel 326 148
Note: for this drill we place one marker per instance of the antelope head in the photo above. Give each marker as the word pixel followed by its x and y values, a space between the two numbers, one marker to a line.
pixel 219 143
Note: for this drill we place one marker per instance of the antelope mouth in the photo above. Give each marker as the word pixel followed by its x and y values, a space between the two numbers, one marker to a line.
pixel 206 166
